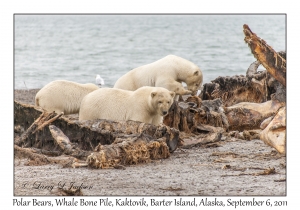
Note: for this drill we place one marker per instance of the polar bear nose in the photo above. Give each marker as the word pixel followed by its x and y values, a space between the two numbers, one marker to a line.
pixel 165 112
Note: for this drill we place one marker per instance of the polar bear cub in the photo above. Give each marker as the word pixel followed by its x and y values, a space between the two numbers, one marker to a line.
pixel 168 72
pixel 63 96
pixel 146 104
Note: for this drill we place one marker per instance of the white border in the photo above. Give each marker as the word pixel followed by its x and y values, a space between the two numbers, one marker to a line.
pixel 8 8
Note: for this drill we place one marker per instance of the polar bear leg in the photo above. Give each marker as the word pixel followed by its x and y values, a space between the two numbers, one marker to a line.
pixel 174 86
pixel 157 120
pixel 181 91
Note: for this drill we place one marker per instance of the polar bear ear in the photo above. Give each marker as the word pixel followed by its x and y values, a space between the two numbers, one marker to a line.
pixel 172 94
pixel 153 94
pixel 196 72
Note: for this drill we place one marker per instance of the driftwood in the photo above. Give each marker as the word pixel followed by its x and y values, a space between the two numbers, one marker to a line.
pixel 122 151
pixel 255 87
pixel 249 116
pixel 205 135
pixel 66 146
pixel 41 157
pixel 200 122
pixel 239 103
pixel 88 134
pixel 189 115
pixel 129 151
pixel 61 139
pixel 246 134
pixel 107 144
pixel 44 120
pixel 235 89
pixel 97 143
pixel 269 58
pixel 275 133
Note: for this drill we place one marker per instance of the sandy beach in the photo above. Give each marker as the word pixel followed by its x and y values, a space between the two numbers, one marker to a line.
pixel 231 167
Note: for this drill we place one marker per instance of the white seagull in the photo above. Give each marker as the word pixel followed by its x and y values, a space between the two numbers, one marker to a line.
pixel 99 80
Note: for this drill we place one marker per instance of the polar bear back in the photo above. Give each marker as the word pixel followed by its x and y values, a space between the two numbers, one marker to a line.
pixel 122 105
pixel 167 72
pixel 105 103
pixel 63 96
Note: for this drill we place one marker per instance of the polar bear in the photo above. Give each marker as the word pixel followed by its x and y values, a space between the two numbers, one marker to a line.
pixel 146 104
pixel 168 72
pixel 63 96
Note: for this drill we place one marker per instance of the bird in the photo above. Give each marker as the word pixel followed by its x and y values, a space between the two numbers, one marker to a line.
pixel 99 80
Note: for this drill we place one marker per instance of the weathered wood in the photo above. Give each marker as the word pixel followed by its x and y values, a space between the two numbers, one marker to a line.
pixel 266 122
pixel 88 134
pixel 256 86
pixel 129 151
pixel 249 116
pixel 275 133
pixel 30 130
pixel 123 151
pixel 189 114
pixel 65 144
pixel 245 135
pixel 36 158
pixel 61 139
pixel 44 120
pixel 31 154
pixel 205 134
pixel 252 71
pixel 48 122
pixel 236 89
pixel 86 141
pixel 200 122
pixel 274 63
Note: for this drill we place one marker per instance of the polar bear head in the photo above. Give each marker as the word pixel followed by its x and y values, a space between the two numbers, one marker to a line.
pixel 194 81
pixel 161 100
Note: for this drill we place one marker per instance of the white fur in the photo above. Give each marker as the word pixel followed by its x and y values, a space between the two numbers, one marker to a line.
pixel 146 104
pixel 63 96
pixel 168 72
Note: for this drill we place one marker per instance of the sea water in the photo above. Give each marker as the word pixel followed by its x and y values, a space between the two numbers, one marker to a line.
pixel 78 47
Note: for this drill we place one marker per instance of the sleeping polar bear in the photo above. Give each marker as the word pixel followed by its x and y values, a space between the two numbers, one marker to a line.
pixel 63 96
pixel 168 72
pixel 146 104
